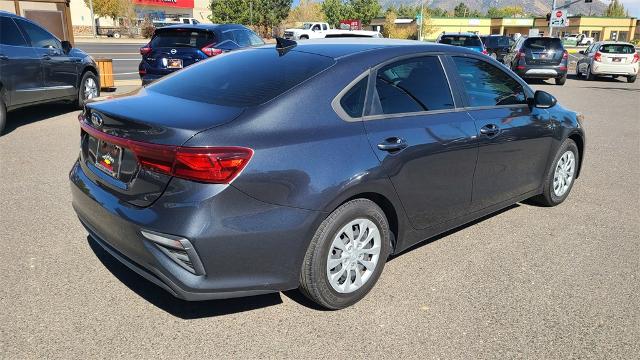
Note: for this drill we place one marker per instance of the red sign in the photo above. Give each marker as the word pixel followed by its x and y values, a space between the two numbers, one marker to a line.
pixel 558 14
pixel 187 4
pixel 350 24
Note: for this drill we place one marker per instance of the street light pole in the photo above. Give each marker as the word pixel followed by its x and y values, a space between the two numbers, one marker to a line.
pixel 93 20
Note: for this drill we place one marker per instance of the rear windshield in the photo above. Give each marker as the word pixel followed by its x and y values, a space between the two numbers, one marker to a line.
pixel 461 40
pixel 617 49
pixel 182 38
pixel 543 44
pixel 497 41
pixel 243 78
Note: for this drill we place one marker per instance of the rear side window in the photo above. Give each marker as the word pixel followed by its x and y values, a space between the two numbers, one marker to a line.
pixel 38 36
pixel 243 37
pixel 242 78
pixel 182 38
pixel 498 41
pixel 543 44
pixel 487 85
pixel 9 33
pixel 617 49
pixel 412 85
pixel 353 101
pixel 460 40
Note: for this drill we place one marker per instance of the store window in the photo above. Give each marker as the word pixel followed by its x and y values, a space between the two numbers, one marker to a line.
pixel 623 36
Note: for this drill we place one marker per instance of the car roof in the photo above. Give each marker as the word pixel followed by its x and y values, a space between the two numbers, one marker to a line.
pixel 460 33
pixel 8 14
pixel 203 26
pixel 615 42
pixel 343 47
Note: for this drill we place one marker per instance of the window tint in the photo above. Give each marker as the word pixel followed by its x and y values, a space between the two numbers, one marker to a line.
pixel 543 44
pixel 324 26
pixel 243 78
pixel 412 85
pixel 9 33
pixel 38 36
pixel 498 41
pixel 487 85
pixel 353 101
pixel 463 40
pixel 617 49
pixel 181 38
pixel 246 38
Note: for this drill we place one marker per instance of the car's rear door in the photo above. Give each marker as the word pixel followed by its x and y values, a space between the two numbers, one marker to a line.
pixel 425 144
pixel 514 139
pixel 20 67
pixel 59 69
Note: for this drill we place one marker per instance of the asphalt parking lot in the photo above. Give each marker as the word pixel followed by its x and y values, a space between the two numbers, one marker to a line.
pixel 528 282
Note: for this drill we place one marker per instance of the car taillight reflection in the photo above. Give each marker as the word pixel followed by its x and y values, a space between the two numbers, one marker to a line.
pixel 219 165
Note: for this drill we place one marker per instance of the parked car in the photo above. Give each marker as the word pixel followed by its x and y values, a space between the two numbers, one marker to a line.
pixel 321 30
pixel 468 40
pixel 36 67
pixel 498 46
pixel 210 185
pixel 579 39
pixel 608 58
pixel 538 58
pixel 177 46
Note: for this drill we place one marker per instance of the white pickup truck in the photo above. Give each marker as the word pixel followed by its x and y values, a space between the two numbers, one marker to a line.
pixel 321 30
pixel 580 39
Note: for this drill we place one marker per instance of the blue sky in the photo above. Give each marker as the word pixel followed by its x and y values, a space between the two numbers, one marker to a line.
pixel 632 5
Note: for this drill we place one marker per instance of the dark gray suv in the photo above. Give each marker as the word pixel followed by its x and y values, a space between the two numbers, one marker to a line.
pixel 36 67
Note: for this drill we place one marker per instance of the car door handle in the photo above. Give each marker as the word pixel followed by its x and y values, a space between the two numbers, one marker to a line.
pixel 393 144
pixel 490 130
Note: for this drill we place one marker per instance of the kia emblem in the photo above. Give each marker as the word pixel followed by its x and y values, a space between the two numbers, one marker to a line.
pixel 96 120
pixel 173 51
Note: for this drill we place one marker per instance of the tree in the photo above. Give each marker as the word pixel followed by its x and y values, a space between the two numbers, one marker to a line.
pixel 365 10
pixel 268 14
pixel 438 12
pixel 335 10
pixel 616 9
pixel 391 30
pixel 307 10
pixel 230 11
pixel 109 8
pixel 506 11
pixel 461 10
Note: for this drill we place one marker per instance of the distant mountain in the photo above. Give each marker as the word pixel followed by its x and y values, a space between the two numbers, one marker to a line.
pixel 531 7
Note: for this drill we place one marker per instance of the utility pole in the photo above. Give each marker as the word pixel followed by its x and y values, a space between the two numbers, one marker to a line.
pixel 93 19
pixel 553 10
pixel 421 20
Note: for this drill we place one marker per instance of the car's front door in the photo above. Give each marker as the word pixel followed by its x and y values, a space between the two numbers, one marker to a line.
pixel 514 138
pixel 426 145
pixel 60 70
pixel 20 68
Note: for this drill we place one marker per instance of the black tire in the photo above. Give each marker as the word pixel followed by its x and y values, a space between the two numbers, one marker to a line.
pixel 82 99
pixel 314 282
pixel 548 196
pixel 304 37
pixel 3 114
pixel 561 80
pixel 589 76
pixel 578 73
pixel 631 79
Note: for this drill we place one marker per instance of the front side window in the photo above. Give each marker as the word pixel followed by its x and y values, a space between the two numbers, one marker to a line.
pixel 38 36
pixel 9 33
pixel 353 101
pixel 412 85
pixel 487 85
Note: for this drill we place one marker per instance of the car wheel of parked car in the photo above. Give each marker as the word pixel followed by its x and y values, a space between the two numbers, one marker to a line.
pixel 3 114
pixel 578 73
pixel 561 80
pixel 589 76
pixel 346 255
pixel 631 79
pixel 561 175
pixel 89 88
pixel 304 37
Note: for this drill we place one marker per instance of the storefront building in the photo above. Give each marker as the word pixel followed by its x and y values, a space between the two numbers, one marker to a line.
pixel 54 15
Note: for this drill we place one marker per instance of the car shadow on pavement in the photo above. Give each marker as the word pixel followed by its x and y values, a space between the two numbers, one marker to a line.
pixel 453 231
pixel 32 114
pixel 176 307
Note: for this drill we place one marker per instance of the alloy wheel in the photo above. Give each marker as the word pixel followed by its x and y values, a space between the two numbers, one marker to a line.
pixel 90 88
pixel 563 175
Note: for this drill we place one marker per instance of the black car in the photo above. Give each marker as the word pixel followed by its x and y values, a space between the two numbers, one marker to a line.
pixel 175 47
pixel 36 67
pixel 538 58
pixel 307 165
pixel 497 46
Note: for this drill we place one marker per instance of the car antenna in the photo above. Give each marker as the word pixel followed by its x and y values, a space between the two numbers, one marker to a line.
pixel 284 45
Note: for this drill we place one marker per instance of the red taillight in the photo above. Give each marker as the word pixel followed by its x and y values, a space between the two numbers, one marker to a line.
pixel 218 165
pixel 145 50
pixel 520 67
pixel 484 51
pixel 210 51
pixel 565 55
pixel 142 72
pixel 597 56
pixel 636 57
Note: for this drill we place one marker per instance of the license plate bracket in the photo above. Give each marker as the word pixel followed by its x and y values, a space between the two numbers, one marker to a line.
pixel 108 158
pixel 174 63
pixel 617 59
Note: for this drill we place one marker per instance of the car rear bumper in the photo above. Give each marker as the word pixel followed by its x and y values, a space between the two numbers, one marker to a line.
pixel 599 68
pixel 246 247
pixel 541 71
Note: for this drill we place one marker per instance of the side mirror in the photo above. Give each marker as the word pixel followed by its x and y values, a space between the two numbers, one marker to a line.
pixel 581 52
pixel 66 46
pixel 543 100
